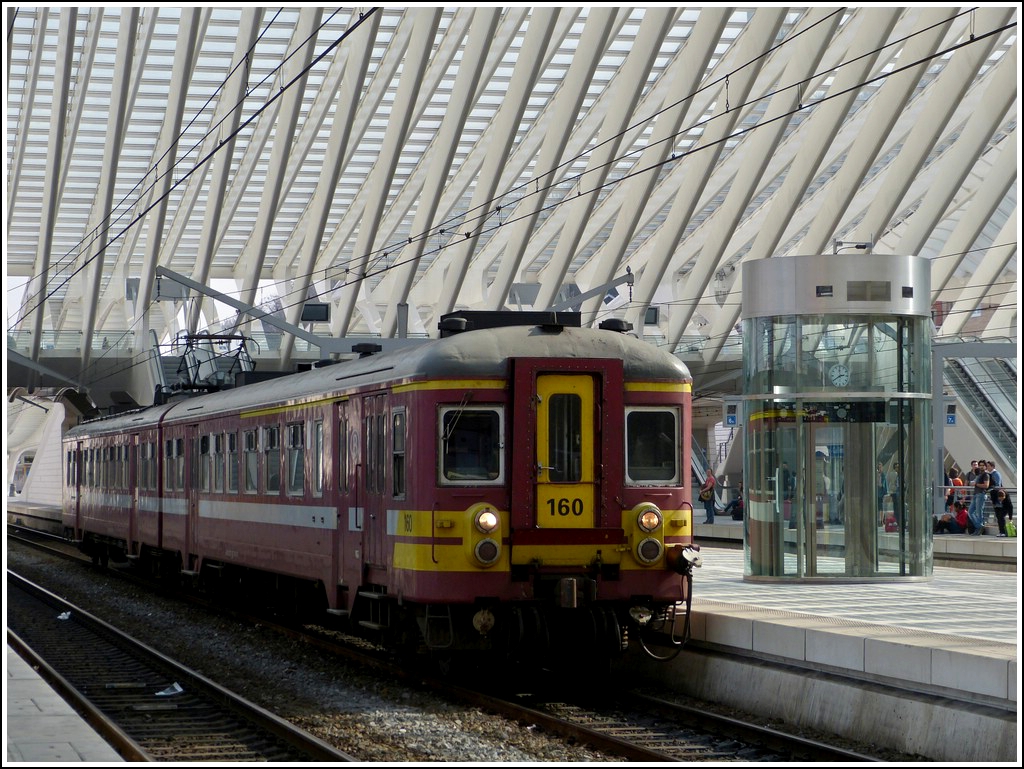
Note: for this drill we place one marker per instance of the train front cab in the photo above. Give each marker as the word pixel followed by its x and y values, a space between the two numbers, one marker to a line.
pixel 598 511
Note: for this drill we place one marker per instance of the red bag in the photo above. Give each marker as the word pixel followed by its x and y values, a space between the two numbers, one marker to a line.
pixel 890 524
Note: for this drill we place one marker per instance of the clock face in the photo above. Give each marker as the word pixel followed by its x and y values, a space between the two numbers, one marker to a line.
pixel 840 375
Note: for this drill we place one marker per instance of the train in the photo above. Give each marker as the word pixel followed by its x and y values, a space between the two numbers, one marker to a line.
pixel 518 485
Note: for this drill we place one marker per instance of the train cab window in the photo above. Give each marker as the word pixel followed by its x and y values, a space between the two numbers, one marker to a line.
pixel 565 437
pixel 296 459
pixel 652 446
pixel 398 453
pixel 272 457
pixel 232 457
pixel 252 462
pixel 470 445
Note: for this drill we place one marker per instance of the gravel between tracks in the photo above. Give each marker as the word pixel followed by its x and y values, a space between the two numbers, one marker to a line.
pixel 359 712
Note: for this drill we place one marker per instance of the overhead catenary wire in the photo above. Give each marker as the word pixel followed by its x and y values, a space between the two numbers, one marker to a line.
pixel 386 251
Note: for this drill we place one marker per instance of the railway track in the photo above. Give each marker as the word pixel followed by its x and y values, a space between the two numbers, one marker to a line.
pixel 148 706
pixel 618 723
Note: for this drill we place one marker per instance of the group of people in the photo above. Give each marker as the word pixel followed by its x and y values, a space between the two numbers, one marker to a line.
pixel 966 510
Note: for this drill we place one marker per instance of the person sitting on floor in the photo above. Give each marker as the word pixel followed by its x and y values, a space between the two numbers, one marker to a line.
pixel 735 507
pixel 953 524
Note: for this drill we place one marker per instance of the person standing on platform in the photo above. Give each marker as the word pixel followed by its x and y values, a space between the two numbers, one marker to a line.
pixel 707 496
pixel 895 488
pixel 995 481
pixel 788 492
pixel 1004 511
pixel 788 482
pixel 976 513
pixel 972 472
pixel 957 482
pixel 881 491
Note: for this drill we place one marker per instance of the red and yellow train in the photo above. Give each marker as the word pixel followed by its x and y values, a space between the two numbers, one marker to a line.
pixel 513 485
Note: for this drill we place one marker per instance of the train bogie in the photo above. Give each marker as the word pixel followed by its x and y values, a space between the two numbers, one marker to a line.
pixel 491 489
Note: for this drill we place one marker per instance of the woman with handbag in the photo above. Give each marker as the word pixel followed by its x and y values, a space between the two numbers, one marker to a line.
pixel 707 496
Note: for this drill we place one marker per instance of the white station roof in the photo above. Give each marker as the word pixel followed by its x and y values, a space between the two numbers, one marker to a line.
pixel 445 158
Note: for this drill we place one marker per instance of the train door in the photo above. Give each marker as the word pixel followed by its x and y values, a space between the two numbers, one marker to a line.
pixel 191 499
pixel 346 471
pixel 132 479
pixel 75 474
pixel 374 500
pixel 566 495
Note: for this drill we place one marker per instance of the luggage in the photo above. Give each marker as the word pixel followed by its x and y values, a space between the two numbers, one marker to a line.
pixel 1011 527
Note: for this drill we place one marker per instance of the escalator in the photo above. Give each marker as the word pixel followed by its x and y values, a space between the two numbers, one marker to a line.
pixel 986 389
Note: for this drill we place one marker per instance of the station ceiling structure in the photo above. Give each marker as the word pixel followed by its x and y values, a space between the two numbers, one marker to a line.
pixel 429 159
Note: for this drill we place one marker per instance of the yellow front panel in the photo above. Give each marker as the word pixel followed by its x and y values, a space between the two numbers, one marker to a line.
pixel 566 490
pixel 441 541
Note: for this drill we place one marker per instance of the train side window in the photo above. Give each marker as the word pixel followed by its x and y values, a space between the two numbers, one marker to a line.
pixel 371 454
pixel 343 455
pixel 296 459
pixel 380 460
pixel 469 444
pixel 272 455
pixel 218 462
pixel 398 453
pixel 252 462
pixel 652 446
pixel 179 463
pixel 232 455
pixel 317 480
pixel 168 465
pixel 204 462
pixel 148 465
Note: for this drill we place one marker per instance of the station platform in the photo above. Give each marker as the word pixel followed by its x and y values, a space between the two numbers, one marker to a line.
pixel 1002 551
pixel 928 667
pixel 41 727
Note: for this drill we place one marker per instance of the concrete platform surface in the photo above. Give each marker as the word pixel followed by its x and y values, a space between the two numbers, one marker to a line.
pixel 928 667
pixel 41 727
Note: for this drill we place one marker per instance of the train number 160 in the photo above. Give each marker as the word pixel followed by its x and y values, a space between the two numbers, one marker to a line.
pixel 566 507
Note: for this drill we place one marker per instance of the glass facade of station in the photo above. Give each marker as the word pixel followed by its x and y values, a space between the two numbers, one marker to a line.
pixel 837 413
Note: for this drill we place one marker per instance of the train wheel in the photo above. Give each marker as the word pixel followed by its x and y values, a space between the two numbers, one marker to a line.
pixel 528 633
pixel 100 557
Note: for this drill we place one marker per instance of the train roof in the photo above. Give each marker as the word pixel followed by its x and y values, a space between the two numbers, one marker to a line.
pixel 473 354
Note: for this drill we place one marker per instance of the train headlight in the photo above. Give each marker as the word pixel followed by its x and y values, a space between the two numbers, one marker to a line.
pixel 487 551
pixel 649 550
pixel 486 520
pixel 649 518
